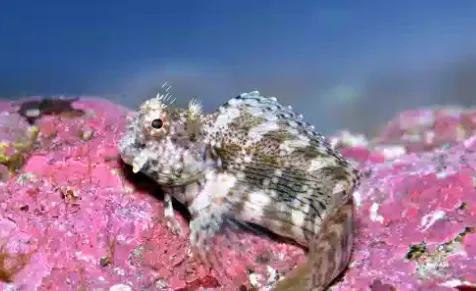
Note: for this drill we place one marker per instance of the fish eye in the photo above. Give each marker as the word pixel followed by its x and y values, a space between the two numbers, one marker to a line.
pixel 157 123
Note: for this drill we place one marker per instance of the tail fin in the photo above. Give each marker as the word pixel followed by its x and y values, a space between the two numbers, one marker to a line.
pixel 329 254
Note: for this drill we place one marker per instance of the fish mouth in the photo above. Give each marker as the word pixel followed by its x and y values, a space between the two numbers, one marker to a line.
pixel 129 151
pixel 138 155
pixel 135 158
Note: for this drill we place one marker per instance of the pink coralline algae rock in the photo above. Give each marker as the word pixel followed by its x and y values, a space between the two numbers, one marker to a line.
pixel 73 217
pixel 17 139
pixel 424 129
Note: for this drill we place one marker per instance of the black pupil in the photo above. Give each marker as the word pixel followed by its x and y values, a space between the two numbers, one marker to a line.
pixel 157 123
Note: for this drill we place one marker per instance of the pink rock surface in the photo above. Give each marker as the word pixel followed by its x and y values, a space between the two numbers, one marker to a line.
pixel 16 140
pixel 425 129
pixel 74 218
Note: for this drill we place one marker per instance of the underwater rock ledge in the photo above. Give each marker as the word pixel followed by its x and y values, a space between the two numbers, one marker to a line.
pixel 73 217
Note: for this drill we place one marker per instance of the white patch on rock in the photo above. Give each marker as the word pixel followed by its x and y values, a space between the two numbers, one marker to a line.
pixel 469 142
pixel 272 274
pixel 255 280
pixel 456 282
pixel 392 151
pixel 120 287
pixel 374 216
pixel 428 220
pixel 34 112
